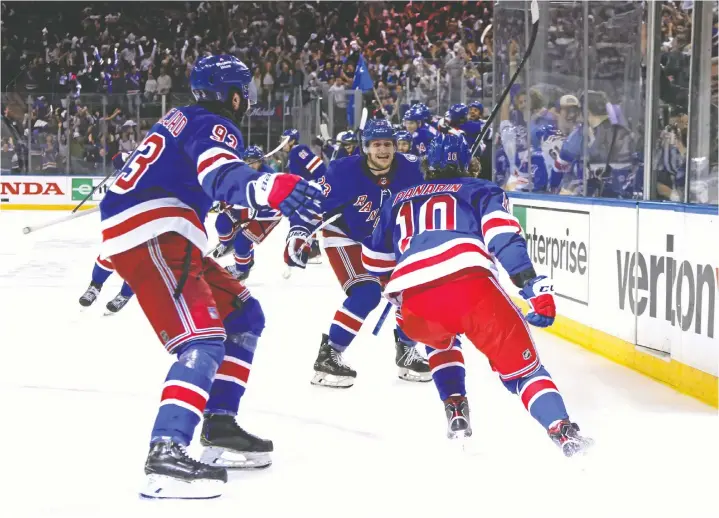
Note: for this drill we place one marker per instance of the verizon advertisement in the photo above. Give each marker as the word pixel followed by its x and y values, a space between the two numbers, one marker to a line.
pixel 649 276
pixel 28 191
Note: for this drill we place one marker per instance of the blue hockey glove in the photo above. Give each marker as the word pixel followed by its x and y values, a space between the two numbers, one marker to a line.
pixel 539 293
pixel 297 249
pixel 291 195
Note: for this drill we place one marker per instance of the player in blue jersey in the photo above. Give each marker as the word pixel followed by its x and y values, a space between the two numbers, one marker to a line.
pixel 153 232
pixel 244 227
pixel 103 268
pixel 356 187
pixel 348 145
pixel 422 134
pixel 100 273
pixel 404 141
pixel 437 243
pixel 300 158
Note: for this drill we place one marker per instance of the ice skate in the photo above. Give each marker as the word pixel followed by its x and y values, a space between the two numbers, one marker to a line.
pixel 412 366
pixel 457 410
pixel 90 296
pixel 565 434
pixel 315 255
pixel 238 274
pixel 229 446
pixel 330 368
pixel 116 304
pixel 221 250
pixel 171 473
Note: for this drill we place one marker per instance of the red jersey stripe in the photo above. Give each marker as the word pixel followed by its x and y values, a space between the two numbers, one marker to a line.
pixel 145 217
pixel 436 259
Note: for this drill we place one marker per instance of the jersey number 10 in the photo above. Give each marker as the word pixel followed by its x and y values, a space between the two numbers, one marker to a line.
pixel 437 213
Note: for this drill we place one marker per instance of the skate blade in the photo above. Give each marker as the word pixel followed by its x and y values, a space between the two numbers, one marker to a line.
pixel 578 449
pixel 231 459
pixel 314 260
pixel 417 377
pixel 322 379
pixel 164 487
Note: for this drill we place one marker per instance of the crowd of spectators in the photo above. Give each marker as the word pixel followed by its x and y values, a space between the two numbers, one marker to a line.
pixel 137 52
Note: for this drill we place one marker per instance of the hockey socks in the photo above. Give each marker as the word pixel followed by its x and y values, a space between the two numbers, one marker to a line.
pixel 348 320
pixel 244 253
pixel 540 396
pixel 126 291
pixel 244 327
pixel 448 372
pixel 225 227
pixel 186 390
pixel 101 271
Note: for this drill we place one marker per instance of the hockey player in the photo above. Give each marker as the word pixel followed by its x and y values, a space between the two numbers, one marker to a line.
pixel 404 141
pixel 348 145
pixel 100 273
pixel 153 232
pixel 422 134
pixel 356 187
pixel 437 243
pixel 300 158
pixel 476 110
pixel 247 227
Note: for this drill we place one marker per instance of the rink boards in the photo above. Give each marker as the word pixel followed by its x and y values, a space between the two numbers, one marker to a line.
pixel 636 282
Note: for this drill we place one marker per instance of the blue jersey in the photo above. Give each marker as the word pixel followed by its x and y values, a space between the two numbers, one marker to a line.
pixel 421 139
pixel 353 191
pixel 342 152
pixel 471 130
pixel 189 158
pixel 441 227
pixel 303 162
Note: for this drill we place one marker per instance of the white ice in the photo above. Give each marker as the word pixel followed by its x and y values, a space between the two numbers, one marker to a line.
pixel 79 393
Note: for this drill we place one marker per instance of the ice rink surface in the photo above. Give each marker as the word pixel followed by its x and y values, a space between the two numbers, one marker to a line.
pixel 79 393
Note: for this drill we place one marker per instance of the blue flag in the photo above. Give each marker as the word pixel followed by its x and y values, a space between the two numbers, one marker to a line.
pixel 363 81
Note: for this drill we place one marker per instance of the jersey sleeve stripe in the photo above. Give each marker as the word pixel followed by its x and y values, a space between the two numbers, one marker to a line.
pixel 212 159
pixel 314 164
pixel 151 215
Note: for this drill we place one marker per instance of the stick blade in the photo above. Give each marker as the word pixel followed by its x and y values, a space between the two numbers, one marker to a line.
pixel 534 9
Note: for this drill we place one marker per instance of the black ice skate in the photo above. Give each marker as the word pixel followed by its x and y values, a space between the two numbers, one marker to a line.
pixel 116 304
pixel 315 255
pixel 457 410
pixel 228 445
pixel 221 250
pixel 330 368
pixel 412 366
pixel 171 473
pixel 565 434
pixel 90 295
pixel 240 275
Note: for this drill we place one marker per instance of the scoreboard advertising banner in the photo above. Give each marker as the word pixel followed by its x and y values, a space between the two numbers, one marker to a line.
pixel 48 192
pixel 641 276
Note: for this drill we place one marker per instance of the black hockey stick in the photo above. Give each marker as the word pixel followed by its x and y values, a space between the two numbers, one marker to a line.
pixel 93 191
pixel 487 125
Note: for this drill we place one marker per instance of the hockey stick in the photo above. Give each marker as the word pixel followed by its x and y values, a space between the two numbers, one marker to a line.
pixel 382 318
pixel 94 189
pixel 71 216
pixel 283 143
pixel 485 129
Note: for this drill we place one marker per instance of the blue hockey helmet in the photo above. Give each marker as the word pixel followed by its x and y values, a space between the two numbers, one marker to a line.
pixel 213 77
pixel 403 136
pixel 423 111
pixel 292 133
pixel 414 113
pixel 476 104
pixel 253 153
pixel 376 129
pixel 448 156
pixel 458 113
pixel 348 137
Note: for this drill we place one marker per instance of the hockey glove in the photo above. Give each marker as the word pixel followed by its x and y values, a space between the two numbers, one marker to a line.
pixel 297 249
pixel 539 293
pixel 291 195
